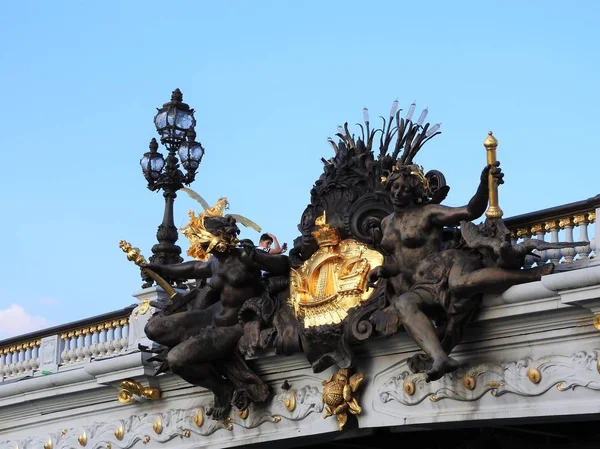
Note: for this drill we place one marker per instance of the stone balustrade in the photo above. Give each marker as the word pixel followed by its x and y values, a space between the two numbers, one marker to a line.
pixel 62 347
pixel 574 222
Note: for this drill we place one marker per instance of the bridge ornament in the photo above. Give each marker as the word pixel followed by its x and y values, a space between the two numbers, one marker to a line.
pixel 377 253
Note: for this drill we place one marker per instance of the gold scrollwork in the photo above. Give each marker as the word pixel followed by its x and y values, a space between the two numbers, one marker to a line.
pixel 592 217
pixel 108 445
pixel 120 431
pixel 290 402
pixel 48 444
pixel 157 425
pixel 198 418
pixel 469 382
pixel 244 413
pixel 597 321
pixel 534 375
pixel 551 225
pixel 580 219
pixel 409 388
pixel 187 433
pixel 146 439
pixel 129 389
pixel 523 232
pixel 276 418
pixel 82 439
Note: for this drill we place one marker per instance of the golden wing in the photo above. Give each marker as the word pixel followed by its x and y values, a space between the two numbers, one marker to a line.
pixel 196 197
pixel 246 222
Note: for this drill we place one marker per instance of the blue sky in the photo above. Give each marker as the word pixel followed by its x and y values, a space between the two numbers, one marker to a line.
pixel 270 81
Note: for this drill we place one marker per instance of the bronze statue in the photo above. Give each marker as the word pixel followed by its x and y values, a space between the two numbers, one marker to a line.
pixel 202 342
pixel 430 283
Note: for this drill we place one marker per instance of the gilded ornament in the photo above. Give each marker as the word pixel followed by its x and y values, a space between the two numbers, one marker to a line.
pixel 333 280
pixel 187 433
pixel 82 439
pixel 537 229
pixel 198 418
pixel 561 386
pixel 534 375
pixel 157 425
pixel 565 223
pixel 130 389
pixel 276 418
pixel 551 225
pixel 409 388
pixel 146 439
pixel 469 382
pixel 597 321
pixel 142 308
pixel 495 384
pixel 580 219
pixel 523 232
pixel 290 402
pixel 592 217
pixel 244 413
pixel 48 444
pixel 133 255
pixel 108 445
pixel 120 431
pixel 63 432
pixel 337 396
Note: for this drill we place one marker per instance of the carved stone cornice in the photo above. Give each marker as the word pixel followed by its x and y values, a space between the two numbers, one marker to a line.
pixel 525 377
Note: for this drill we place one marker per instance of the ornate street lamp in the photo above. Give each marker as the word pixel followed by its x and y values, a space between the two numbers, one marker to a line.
pixel 175 124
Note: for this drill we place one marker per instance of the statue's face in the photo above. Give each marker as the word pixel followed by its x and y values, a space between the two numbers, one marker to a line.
pixel 402 191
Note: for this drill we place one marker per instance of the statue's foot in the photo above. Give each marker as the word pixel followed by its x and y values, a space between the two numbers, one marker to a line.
pixel 440 367
pixel 420 363
pixel 222 406
pixel 386 321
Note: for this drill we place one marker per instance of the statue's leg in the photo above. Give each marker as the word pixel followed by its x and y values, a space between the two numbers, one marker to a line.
pixel 412 307
pixel 172 329
pixel 465 283
pixel 195 361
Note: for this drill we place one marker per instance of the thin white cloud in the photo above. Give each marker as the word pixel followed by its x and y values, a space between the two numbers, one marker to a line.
pixel 16 321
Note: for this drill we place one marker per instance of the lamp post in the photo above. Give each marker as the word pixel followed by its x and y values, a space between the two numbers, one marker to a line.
pixel 175 124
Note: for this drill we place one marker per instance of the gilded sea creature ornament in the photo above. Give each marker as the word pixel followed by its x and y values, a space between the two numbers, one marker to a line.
pixel 337 396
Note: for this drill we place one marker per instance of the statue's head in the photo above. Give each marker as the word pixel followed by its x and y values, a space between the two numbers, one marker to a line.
pixel 407 185
pixel 210 235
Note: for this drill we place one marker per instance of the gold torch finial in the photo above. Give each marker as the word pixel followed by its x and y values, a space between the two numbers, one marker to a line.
pixel 491 144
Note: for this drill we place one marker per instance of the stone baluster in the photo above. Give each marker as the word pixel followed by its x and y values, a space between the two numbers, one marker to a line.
pixel 554 255
pixel 7 364
pixel 110 335
pixel 2 364
pixel 582 221
pixel 87 343
pixel 125 333
pixel 78 351
pixel 102 347
pixel 15 361
pixel 72 347
pixel 567 225
pixel 21 358
pixel 117 336
pixel 35 355
pixel 27 362
pixel 95 338
pixel 525 235
pixel 538 231
pixel 64 353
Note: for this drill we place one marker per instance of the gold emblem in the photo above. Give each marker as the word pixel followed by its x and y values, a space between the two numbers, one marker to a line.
pixel 333 280
pixel 338 398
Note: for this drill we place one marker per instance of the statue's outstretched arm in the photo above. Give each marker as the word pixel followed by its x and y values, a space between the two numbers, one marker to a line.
pixel 440 215
pixel 273 263
pixel 187 270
